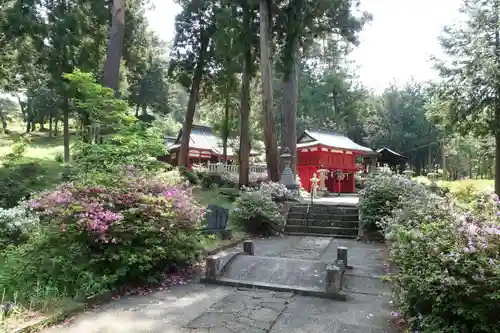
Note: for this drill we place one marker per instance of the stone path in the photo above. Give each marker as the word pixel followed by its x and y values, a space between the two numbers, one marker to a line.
pixel 198 308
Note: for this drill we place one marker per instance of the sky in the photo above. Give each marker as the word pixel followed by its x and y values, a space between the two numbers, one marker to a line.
pixel 395 47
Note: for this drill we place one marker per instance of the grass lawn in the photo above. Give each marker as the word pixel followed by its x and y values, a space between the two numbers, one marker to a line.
pixel 212 197
pixel 41 145
pixel 457 185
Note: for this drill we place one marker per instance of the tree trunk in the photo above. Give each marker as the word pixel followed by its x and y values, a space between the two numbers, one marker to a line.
pixel 244 151
pixel 267 91
pixel 51 126
pixel 225 134
pixel 4 122
pixel 497 160
pixel 429 161
pixel 289 111
pixel 111 75
pixel 29 115
pixel 56 127
pixel 66 129
pixel 193 99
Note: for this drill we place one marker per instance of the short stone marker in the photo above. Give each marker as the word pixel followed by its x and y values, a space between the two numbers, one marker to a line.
pixel 215 264
pixel 248 248
pixel 333 279
pixel 342 255
pixel 212 267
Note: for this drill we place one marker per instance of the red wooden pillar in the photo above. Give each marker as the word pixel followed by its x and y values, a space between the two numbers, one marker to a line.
pixel 352 183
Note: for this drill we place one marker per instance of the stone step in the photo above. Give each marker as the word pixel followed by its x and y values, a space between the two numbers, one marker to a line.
pixel 325 210
pixel 323 223
pixel 323 217
pixel 291 233
pixel 351 232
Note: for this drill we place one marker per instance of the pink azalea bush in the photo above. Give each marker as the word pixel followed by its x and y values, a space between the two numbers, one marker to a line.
pixel 95 238
pixel 448 262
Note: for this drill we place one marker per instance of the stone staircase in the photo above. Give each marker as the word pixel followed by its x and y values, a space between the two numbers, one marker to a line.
pixel 340 221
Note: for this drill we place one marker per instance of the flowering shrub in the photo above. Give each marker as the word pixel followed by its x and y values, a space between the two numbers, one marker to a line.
pixel 276 191
pixel 385 192
pixel 15 223
pixel 256 179
pixel 256 212
pixel 95 237
pixel 449 265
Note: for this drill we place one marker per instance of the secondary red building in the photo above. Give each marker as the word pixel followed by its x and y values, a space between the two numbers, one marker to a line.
pixel 204 147
pixel 330 151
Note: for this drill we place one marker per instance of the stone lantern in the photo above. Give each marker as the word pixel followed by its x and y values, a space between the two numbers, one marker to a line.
pixel 322 177
pixel 408 173
pixel 287 177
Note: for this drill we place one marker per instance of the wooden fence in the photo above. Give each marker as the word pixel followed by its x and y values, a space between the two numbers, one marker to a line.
pixel 234 169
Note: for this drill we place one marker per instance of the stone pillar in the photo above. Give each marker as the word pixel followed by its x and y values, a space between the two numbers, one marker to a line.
pixel 248 248
pixel 333 279
pixel 212 267
pixel 342 254
pixel 322 177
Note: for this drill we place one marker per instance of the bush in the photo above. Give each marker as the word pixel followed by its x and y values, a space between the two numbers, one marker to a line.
pixel 384 193
pixel 277 191
pixel 215 179
pixel 256 212
pixel 135 145
pixel 21 177
pixel 256 179
pixel 189 175
pixel 229 192
pixel 94 237
pixel 15 225
pixel 449 267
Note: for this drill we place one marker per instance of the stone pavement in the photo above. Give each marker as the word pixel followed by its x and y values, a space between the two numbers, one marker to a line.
pixel 198 308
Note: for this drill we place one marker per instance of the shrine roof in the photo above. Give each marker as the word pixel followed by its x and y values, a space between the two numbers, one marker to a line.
pixel 203 138
pixel 330 139
pixel 387 155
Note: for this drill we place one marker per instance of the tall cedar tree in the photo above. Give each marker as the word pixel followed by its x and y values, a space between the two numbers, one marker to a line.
pixel 111 75
pixel 266 74
pixel 195 27
pixel 300 22
pixel 472 77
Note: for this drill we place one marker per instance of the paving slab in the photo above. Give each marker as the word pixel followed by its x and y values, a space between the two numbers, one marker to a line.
pixel 247 311
pixel 161 312
pixel 280 271
pixel 362 314
pixel 299 247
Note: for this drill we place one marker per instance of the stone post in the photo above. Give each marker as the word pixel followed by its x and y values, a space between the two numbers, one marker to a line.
pixel 322 177
pixel 248 248
pixel 342 254
pixel 333 279
pixel 212 267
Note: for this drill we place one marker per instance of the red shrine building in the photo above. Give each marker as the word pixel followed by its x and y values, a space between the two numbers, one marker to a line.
pixel 204 147
pixel 332 152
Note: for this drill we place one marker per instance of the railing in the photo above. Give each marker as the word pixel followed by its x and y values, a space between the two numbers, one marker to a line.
pixel 234 169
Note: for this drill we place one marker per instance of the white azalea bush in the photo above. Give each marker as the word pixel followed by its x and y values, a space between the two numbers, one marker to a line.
pixel 15 224
pixel 277 191
pixel 385 192
pixel 448 262
pixel 256 209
